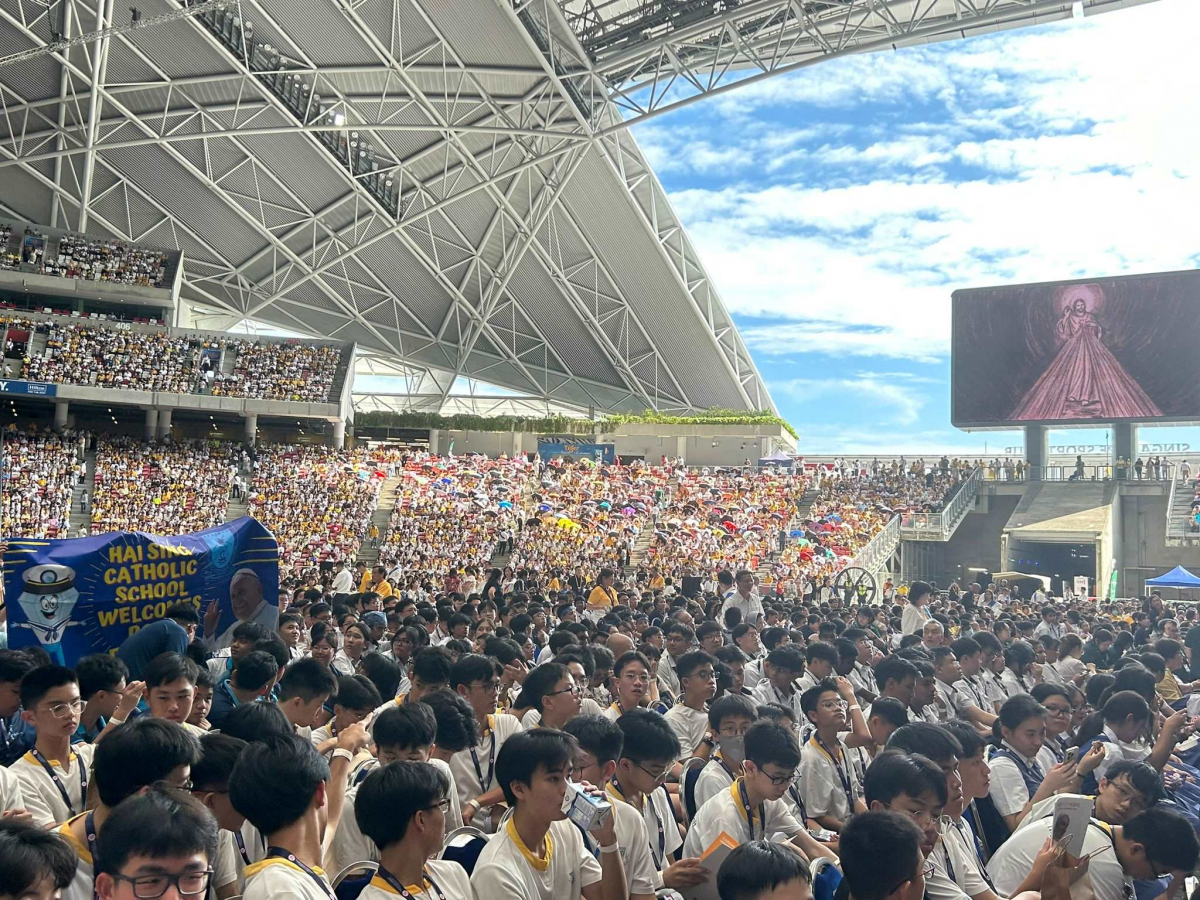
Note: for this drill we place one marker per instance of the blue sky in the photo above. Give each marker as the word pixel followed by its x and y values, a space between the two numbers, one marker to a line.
pixel 838 207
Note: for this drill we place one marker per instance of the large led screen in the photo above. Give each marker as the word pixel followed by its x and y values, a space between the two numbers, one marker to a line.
pixel 1117 349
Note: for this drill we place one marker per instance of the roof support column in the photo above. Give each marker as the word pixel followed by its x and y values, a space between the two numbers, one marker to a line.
pixel 104 10
pixel 60 144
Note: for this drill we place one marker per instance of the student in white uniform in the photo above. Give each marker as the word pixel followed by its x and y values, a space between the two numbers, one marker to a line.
pixel 688 718
pixel 648 754
pixel 829 781
pixel 538 854
pixel 131 757
pixel 1154 843
pixel 783 666
pixel 403 807
pixel 970 698
pixel 753 809
pixel 820 662
pixel 1018 779
pixel 39 864
pixel 210 785
pixel 552 696
pixel 281 784
pixel 729 718
pixel 11 797
pixel 600 742
pixel 162 839
pixel 53 775
pixel 881 858
pixel 356 698
pixel 474 679
pixel 303 691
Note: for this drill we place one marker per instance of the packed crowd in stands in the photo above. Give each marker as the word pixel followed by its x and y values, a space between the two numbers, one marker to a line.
pixel 40 471
pixel 316 500
pixel 278 371
pixel 89 258
pixel 166 487
pixel 610 742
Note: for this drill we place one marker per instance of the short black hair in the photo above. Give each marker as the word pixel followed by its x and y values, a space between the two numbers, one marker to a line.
pixel 99 672
pixel 471 667
pixel 598 735
pixel 1144 778
pixel 758 867
pixel 383 672
pixel 927 739
pixel 890 710
pixel 275 779
pixel 159 823
pixel 410 725
pixel 30 854
pixel 37 683
pixel 769 743
pixel 526 751
pixel 14 666
pixel 893 668
pixel 251 631
pixel 255 670
pixel 167 668
pixel 1168 837
pixel 819 650
pixel 896 772
pixel 968 738
pixel 256 721
pixel 730 705
pixel 457 727
pixel 138 753
pixel 430 665
pixel 219 753
pixel 965 646
pixel 812 697
pixel 788 657
pixel 357 693
pixel 182 612
pixel 648 736
pixel 540 682
pixel 308 679
pixel 391 795
pixel 691 661
pixel 879 851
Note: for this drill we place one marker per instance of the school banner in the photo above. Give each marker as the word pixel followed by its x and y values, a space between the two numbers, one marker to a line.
pixel 87 595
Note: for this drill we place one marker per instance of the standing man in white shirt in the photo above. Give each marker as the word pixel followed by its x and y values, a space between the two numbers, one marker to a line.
pixel 743 597
pixel 343 581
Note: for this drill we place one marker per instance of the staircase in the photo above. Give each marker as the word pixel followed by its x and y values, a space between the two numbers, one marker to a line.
pixel 640 546
pixel 80 519
pixel 236 509
pixel 381 519
pixel 804 507
pixel 1179 516
pixel 228 358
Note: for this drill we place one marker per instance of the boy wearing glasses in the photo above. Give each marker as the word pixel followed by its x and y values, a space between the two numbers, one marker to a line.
pixel 829 781
pixel 753 809
pixel 648 753
pixel 474 679
pixel 157 844
pixel 403 808
pixel 689 717
pixel 53 775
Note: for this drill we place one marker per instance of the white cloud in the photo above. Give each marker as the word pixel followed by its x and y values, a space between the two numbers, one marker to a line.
pixel 898 404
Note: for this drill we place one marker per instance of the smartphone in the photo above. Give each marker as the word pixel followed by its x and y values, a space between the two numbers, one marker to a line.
pixel 1072 755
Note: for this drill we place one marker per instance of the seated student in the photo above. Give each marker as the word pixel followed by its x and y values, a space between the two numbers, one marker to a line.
pixel 135 755
pixel 1154 843
pixel 245 636
pixel 210 785
pixel 1018 780
pixel 280 785
pixel 732 657
pixel 551 696
pixel 829 781
pixel 925 703
pixel 883 717
pixel 897 679
pixel 427 671
pixel 631 680
pixel 355 700
pixel 761 870
pixel 646 867
pixel 256 721
pixel 474 679
pixel 976 777
pixel 38 864
pixel 688 718
pixel 909 784
pixel 882 858
pixel 956 668
pixel 153 842
pixel 752 809
pixel 402 734
pixel 782 667
pixel 102 688
pixel 648 752
pixel 820 662
pixel 539 854
pixel 403 808
pixel 1123 719
pixel 252 680
pixel 202 701
pixel 53 775
pixel 729 719
pixel 170 688
pixel 303 690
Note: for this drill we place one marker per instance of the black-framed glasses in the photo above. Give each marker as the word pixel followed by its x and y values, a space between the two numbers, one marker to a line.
pixel 151 887
pixel 779 780
pixel 443 805
pixel 574 690
pixel 926 872
pixel 657 776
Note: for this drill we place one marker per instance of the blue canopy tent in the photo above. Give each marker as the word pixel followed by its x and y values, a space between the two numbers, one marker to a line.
pixel 1178 577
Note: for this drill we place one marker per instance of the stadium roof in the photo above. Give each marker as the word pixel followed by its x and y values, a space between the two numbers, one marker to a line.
pixel 521 239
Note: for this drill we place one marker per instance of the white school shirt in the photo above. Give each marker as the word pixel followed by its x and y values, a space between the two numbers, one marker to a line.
pixel 968 875
pixel 656 811
pixel 451 879
pixel 689 726
pixel 666 675
pixel 806 681
pixel 42 796
pixel 913 619
pixel 822 786
pixel 80 887
pixel 1013 860
pixel 939 885
pixel 1008 790
pixel 862 677
pixel 1116 750
pixel 766 693
pixel 970 692
pixel 725 813
pixel 276 878
pixel 753 674
pixel 713 779
pixel 226 864
pixel 507 869
pixel 642 872
pixel 462 765
pixel 11 796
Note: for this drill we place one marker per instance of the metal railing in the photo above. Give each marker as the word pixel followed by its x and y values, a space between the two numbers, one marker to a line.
pixel 1172 528
pixel 1106 472
pixel 940 526
pixel 880 548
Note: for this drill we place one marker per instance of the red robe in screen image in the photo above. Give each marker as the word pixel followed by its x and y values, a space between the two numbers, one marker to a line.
pixel 1084 381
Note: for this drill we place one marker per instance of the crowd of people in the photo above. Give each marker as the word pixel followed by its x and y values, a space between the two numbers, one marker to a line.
pixel 40 471
pixel 163 487
pixel 88 258
pixel 610 741
pixel 278 371
pixel 316 500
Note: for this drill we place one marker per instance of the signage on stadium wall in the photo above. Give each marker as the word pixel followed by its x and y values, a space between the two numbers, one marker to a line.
pixel 549 448
pixel 80 596
pixel 37 388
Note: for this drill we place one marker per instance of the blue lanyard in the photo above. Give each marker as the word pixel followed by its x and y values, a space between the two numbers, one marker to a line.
pixel 762 810
pixel 403 891
pixel 62 788
pixel 485 785
pixel 280 853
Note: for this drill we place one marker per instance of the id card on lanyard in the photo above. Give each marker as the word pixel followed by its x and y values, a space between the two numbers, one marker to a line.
pixel 762 811
pixel 62 788
pixel 843 773
pixel 486 784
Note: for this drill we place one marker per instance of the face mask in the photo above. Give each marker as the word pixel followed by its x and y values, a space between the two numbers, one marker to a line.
pixel 733 749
